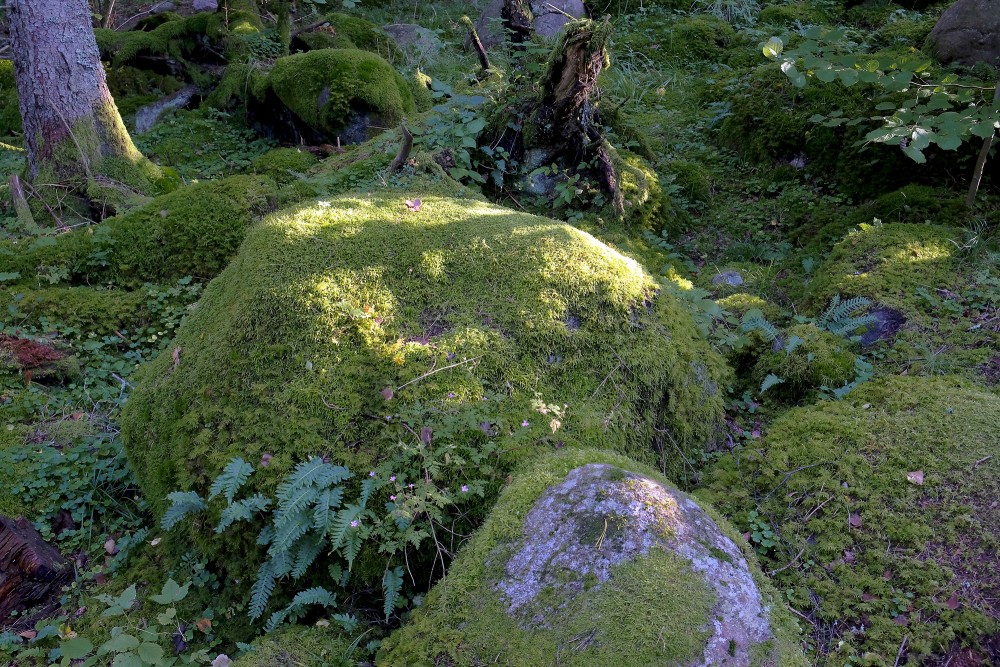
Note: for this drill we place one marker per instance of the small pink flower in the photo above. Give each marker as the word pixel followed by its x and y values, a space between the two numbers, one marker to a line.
pixel 355 523
pixel 524 423
pixel 392 479
pixel 451 394
pixel 410 485
pixel 465 488
pixel 371 474
pixel 392 497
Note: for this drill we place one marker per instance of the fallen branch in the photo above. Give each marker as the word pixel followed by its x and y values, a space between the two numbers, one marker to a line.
pixel 484 60
pixel 437 370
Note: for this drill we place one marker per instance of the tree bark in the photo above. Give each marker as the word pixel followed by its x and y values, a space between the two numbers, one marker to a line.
pixel 30 569
pixel 72 128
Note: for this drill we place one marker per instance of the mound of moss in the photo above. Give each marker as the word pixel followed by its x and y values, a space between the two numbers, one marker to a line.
pixel 343 31
pixel 284 165
pixel 884 506
pixel 334 90
pixel 809 360
pixel 589 559
pixel 345 322
pixel 189 232
pixel 299 646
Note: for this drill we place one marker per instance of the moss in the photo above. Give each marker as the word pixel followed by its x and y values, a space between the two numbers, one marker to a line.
pixel 327 88
pixel 698 38
pixel 87 308
pixel 652 611
pixel 421 85
pixel 330 303
pixel 299 646
pixel 642 197
pixel 192 231
pixel 11 504
pixel 10 110
pixel 343 31
pixel 821 359
pixel 908 546
pixel 284 165
pixel 693 179
pixel 782 16
pixel 741 302
pixel 904 30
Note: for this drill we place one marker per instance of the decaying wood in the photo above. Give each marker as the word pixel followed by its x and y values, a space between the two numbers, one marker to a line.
pixel 404 151
pixel 516 15
pixel 31 570
pixel 477 44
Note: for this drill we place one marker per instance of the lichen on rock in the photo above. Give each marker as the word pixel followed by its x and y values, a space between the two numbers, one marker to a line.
pixel 598 565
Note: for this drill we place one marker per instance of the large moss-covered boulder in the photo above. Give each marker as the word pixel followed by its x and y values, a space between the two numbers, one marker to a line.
pixel 300 646
pixel 343 31
pixel 589 559
pixel 345 325
pixel 342 92
pixel 885 508
pixel 967 33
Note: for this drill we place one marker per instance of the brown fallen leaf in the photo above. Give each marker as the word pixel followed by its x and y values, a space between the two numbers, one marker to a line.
pixel 887 575
pixel 27 634
pixel 154 541
pixel 855 520
pixel 915 477
pixel 868 597
pixel 111 547
pixel 901 619
pixel 952 602
pixel 387 393
pixel 414 205
pixel 177 358
pixel 203 624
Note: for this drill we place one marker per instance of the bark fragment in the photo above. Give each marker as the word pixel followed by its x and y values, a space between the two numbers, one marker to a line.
pixel 31 570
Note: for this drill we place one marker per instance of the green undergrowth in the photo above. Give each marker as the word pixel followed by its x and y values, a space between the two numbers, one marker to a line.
pixel 652 611
pixel 881 507
pixel 349 320
pixel 192 231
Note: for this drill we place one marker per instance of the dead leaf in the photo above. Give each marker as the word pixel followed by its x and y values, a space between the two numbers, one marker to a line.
pixel 425 434
pixel 177 358
pixel 203 624
pixel 414 205
pixel 265 460
pixel 915 477
pixel 387 393
pixel 901 619
pixel 27 634
pixel 154 542
pixel 887 575
pixel 868 597
pixel 100 578
pixel 849 557
pixel 855 520
pixel 111 547
pixel 952 602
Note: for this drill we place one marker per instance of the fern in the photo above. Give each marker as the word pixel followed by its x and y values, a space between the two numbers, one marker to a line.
pixel 754 320
pixel 233 476
pixel 367 487
pixel 242 510
pixel 309 597
pixel 308 549
pixel 839 317
pixel 261 591
pixel 770 381
pixel 392 584
pixel 327 500
pixel 315 473
pixel 293 526
pixel 341 524
pixel 182 504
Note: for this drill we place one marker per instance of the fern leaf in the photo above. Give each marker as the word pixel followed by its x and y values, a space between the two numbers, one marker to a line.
pixel 276 619
pixel 367 487
pixel 306 554
pixel 292 528
pixel 346 621
pixel 352 546
pixel 282 563
pixel 313 596
pixel 233 476
pixel 263 588
pixel 341 524
pixel 392 584
pixel 327 500
pixel 754 320
pixel 291 506
pixel 182 504
pixel 793 344
pixel 242 510
pixel 315 473
pixel 770 381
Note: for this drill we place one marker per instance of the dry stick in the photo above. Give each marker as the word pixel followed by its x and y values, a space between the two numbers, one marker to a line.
pixel 900 654
pixel 404 150
pixel 977 175
pixel 59 223
pixel 438 370
pixel 484 60
pixel 21 203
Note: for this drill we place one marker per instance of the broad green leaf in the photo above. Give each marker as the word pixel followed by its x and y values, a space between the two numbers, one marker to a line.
pixel 848 77
pixel 76 648
pixel 886 106
pixel 127 660
pixel 9 276
pixel 915 154
pixel 826 75
pixel 948 142
pixel 921 138
pixel 150 653
pixel 171 593
pixel 984 130
pixel 119 644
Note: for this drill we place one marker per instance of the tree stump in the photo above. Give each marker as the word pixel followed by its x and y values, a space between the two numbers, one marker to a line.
pixel 31 570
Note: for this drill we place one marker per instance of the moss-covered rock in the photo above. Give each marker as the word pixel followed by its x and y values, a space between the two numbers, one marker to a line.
pixel 299 646
pixel 885 507
pixel 693 179
pixel 815 359
pixel 786 15
pixel 284 165
pixel 463 313
pixel 341 92
pixel 343 31
pixel 589 559
pixel 192 231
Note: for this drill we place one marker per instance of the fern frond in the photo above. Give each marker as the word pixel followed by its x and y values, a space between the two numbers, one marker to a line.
pixel 233 476
pixel 292 528
pixel 263 588
pixel 367 487
pixel 838 312
pixel 754 320
pixel 313 472
pixel 352 546
pixel 328 500
pixel 392 584
pixel 770 381
pixel 182 504
pixel 341 524
pixel 242 510
pixel 281 563
pixel 275 619
pixel 793 344
pixel 294 504
pixel 309 548
pixel 313 596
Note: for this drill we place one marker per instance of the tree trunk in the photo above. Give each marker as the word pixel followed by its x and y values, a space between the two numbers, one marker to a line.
pixel 30 569
pixel 72 129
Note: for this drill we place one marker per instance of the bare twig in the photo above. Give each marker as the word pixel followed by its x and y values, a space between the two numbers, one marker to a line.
pixel 437 370
pixel 902 647
pixel 982 461
pixel 484 60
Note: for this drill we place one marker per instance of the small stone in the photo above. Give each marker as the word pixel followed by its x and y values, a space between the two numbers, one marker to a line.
pixel 206 5
pixel 728 278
